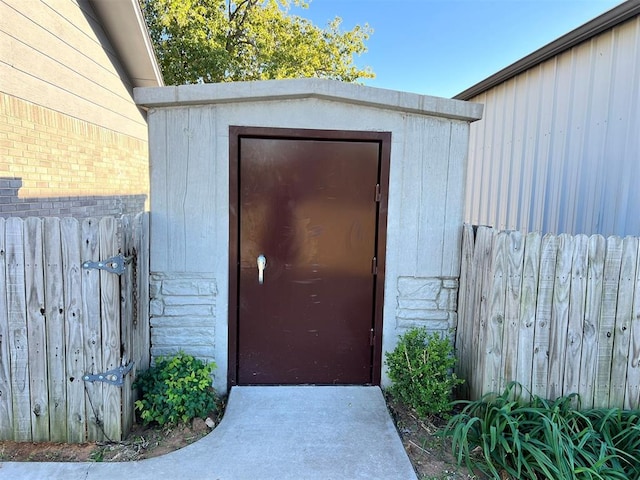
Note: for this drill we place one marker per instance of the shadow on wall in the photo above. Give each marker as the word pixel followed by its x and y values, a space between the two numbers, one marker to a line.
pixel 78 207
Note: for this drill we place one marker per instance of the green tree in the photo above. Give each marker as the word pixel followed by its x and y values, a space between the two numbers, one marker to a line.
pixel 202 41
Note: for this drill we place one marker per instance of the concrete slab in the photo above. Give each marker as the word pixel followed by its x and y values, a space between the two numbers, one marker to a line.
pixel 279 433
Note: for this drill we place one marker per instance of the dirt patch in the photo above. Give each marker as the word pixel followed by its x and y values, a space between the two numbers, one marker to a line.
pixel 428 450
pixel 142 442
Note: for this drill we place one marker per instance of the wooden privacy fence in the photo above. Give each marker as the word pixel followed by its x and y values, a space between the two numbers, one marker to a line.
pixel 64 319
pixel 559 314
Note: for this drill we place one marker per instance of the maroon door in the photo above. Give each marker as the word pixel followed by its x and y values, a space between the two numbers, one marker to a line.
pixel 308 206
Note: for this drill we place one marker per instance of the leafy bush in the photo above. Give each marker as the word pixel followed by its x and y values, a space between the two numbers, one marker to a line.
pixel 546 439
pixel 176 389
pixel 421 370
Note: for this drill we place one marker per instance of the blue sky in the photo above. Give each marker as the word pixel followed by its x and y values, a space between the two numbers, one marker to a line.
pixel 442 47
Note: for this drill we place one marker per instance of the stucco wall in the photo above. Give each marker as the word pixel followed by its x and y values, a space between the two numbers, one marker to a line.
pixel 189 151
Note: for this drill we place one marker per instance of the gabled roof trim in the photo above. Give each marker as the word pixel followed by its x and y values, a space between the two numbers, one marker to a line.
pixel 270 90
pixel 607 20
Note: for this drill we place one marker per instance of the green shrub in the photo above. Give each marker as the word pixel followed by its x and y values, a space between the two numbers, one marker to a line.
pixel 538 438
pixel 421 370
pixel 176 389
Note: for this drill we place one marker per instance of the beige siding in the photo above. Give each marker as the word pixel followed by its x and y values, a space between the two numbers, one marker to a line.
pixel 56 55
pixel 557 150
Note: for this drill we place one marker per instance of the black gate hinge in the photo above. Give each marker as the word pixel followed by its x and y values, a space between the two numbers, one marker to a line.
pixel 114 264
pixel 114 377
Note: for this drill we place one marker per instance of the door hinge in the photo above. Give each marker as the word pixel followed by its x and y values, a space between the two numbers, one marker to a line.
pixel 114 377
pixel 374 266
pixel 371 337
pixel 378 193
pixel 114 264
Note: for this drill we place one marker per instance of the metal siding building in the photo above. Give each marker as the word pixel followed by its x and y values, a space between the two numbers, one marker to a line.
pixel 558 149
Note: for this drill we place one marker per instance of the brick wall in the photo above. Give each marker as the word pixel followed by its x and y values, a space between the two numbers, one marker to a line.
pixel 66 164
pixel 11 205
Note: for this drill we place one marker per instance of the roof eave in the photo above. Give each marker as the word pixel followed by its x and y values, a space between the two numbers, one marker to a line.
pixel 126 28
pixel 306 88
pixel 607 20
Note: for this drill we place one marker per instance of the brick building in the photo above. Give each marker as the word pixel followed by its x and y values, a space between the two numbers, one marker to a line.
pixel 72 140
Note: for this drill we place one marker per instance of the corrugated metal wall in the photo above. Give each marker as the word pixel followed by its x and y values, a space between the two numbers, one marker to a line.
pixel 558 149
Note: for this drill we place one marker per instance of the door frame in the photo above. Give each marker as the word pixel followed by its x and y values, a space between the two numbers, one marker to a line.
pixel 238 132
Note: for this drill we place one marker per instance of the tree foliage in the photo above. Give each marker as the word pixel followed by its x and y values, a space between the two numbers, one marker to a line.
pixel 203 41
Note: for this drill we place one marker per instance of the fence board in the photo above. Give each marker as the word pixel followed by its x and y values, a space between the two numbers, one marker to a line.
pixel 110 317
pixel 36 329
pixel 74 361
pixel 18 346
pixel 573 357
pixel 55 330
pixel 539 375
pixel 495 325
pixel 514 250
pixel 632 394
pixel 465 313
pixel 482 270
pixel 91 328
pixel 624 311
pixel 529 293
pixel 559 316
pixel 591 321
pixel 571 307
pixel 142 325
pixel 606 332
pixel 6 406
pixel 126 320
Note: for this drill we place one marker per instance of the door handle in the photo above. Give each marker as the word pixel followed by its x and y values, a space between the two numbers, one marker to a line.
pixel 262 264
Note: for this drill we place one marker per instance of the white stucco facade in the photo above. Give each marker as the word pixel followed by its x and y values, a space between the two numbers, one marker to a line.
pixel 189 155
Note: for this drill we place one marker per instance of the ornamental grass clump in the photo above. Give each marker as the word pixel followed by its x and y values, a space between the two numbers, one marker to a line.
pixel 176 389
pixel 537 438
pixel 421 369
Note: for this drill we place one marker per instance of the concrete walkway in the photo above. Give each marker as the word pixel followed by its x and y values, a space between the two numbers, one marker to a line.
pixel 279 433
